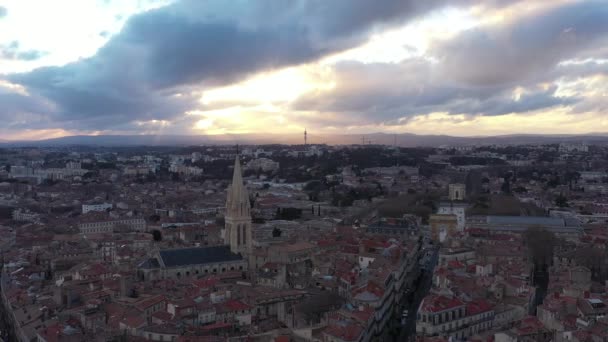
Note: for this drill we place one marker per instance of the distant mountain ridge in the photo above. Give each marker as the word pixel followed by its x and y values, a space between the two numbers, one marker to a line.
pixel 403 139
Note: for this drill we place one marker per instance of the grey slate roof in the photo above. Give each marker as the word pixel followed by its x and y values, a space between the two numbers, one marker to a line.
pixel 150 263
pixel 198 256
pixel 522 223
pixel 527 220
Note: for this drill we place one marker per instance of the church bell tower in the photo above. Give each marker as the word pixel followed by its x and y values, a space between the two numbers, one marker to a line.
pixel 237 232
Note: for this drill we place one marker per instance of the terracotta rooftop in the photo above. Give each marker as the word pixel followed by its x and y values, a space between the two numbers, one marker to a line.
pixel 148 302
pixel 348 331
pixel 135 321
pixel 478 306
pixel 232 306
pixel 438 303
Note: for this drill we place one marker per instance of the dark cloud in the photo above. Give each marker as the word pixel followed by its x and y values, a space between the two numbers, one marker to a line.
pixel 526 47
pixel 12 51
pixel 21 111
pixel 386 93
pixel 505 103
pixel 580 69
pixel 163 52
pixel 478 71
pixel 150 70
pixel 3 12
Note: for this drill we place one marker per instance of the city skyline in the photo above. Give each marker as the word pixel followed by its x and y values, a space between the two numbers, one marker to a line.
pixel 464 68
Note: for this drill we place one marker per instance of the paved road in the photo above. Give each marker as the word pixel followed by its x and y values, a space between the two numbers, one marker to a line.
pixel 412 301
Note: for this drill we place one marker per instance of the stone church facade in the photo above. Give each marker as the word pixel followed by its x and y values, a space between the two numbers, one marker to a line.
pixel 193 261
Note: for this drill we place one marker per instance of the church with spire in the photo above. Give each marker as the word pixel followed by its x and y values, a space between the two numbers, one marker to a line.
pixel 234 255
pixel 237 229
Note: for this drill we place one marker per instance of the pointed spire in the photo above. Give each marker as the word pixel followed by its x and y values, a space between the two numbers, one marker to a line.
pixel 238 197
pixel 237 176
pixel 238 213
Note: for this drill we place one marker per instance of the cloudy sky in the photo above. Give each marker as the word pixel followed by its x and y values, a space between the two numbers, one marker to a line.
pixel 459 67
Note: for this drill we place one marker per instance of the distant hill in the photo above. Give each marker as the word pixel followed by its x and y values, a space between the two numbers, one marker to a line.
pixel 404 139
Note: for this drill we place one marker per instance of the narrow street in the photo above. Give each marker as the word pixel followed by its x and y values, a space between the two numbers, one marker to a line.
pixel 411 302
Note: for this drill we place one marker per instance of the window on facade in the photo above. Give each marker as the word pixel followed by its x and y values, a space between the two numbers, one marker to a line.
pixel 244 235
pixel 238 235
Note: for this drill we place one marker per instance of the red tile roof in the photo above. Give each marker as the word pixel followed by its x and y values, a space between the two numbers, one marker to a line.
pixel 371 287
pixel 456 264
pixel 363 315
pixel 200 339
pixel 478 306
pixel 326 243
pixel 134 321
pixel 346 332
pixel 206 283
pixel 438 303
pixel 148 302
pixel 94 270
pixel 52 333
pixel 529 325
pixel 233 305
pixel 162 315
pixel 218 325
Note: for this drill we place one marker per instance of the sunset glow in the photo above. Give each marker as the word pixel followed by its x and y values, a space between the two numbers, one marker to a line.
pixel 465 69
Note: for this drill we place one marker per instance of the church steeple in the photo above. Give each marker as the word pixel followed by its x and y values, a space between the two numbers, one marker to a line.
pixel 237 177
pixel 237 203
pixel 238 213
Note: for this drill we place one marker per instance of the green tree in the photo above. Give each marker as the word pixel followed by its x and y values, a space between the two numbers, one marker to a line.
pixel 540 244
pixel 276 232
pixel 157 235
pixel 561 201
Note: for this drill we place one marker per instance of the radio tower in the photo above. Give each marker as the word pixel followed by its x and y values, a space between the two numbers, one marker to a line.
pixel 305 137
